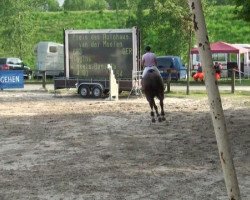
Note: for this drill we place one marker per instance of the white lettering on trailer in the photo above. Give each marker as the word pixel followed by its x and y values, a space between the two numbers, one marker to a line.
pixel 112 44
pixel 116 36
pixel 9 79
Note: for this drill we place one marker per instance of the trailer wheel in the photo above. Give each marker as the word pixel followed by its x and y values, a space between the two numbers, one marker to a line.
pixel 97 92
pixel 84 91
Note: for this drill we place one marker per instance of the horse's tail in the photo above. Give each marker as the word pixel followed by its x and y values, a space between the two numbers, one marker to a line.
pixel 153 83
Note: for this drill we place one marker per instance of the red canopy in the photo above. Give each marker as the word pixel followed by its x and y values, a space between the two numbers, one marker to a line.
pixel 222 47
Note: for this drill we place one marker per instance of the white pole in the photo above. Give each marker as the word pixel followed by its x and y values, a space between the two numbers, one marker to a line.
pixel 248 60
pixel 239 67
pixel 214 100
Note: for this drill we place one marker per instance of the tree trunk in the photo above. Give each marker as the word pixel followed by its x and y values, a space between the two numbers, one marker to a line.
pixel 214 100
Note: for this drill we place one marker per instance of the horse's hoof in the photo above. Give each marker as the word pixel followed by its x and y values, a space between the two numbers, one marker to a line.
pixel 163 118
pixel 153 120
pixel 159 119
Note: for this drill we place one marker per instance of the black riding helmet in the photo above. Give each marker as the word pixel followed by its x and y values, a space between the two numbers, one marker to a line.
pixel 147 48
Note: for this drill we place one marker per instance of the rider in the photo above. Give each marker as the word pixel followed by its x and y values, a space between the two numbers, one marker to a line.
pixel 149 61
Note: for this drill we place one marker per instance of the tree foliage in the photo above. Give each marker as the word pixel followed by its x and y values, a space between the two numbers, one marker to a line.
pixel 164 25
pixel 49 5
pixel 117 4
pixel 76 5
pixel 17 24
pixel 244 8
pixel 223 2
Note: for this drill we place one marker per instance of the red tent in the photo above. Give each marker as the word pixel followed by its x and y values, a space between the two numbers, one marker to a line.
pixel 223 47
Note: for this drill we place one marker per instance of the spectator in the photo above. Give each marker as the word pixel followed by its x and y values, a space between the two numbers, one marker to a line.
pixel 199 69
pixel 199 74
pixel 217 68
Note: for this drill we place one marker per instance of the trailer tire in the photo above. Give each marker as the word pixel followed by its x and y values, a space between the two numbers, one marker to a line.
pixel 84 91
pixel 97 91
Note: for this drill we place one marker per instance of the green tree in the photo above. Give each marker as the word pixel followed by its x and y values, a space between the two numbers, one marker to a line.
pixel 163 25
pixel 223 2
pixel 244 8
pixel 50 5
pixel 117 4
pixel 17 27
pixel 75 5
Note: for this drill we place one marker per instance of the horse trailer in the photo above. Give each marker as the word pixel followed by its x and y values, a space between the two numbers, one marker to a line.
pixel 88 54
pixel 49 59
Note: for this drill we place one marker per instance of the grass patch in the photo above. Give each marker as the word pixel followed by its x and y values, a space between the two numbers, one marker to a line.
pixel 203 94
pixel 223 81
pixel 39 81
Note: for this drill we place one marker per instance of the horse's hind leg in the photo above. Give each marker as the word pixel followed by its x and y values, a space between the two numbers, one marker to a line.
pixel 162 110
pixel 151 103
pixel 152 116
pixel 156 111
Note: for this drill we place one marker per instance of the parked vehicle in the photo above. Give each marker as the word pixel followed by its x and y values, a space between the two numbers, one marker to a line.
pixel 88 54
pixel 15 64
pixel 165 64
pixel 49 59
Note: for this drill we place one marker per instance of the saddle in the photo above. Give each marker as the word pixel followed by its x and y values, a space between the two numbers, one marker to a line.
pixel 150 70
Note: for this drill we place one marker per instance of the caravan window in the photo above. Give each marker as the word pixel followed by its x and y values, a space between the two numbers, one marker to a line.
pixel 219 57
pixel 196 59
pixel 52 49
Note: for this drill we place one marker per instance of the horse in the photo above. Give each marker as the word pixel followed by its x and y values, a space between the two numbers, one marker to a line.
pixel 153 86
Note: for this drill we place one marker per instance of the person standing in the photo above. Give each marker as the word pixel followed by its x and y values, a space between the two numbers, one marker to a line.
pixel 149 61
pixel 199 74
pixel 217 68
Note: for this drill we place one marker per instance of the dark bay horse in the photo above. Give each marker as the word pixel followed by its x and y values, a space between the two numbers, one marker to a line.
pixel 153 86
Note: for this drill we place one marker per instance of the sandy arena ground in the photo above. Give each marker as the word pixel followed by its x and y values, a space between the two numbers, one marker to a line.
pixel 63 147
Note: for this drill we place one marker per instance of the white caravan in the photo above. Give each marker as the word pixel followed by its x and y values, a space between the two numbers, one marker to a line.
pixel 246 59
pixel 49 59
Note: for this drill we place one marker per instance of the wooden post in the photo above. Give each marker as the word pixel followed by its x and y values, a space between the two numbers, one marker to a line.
pixel 189 60
pixel 214 100
pixel 168 80
pixel 233 81
pixel 44 79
